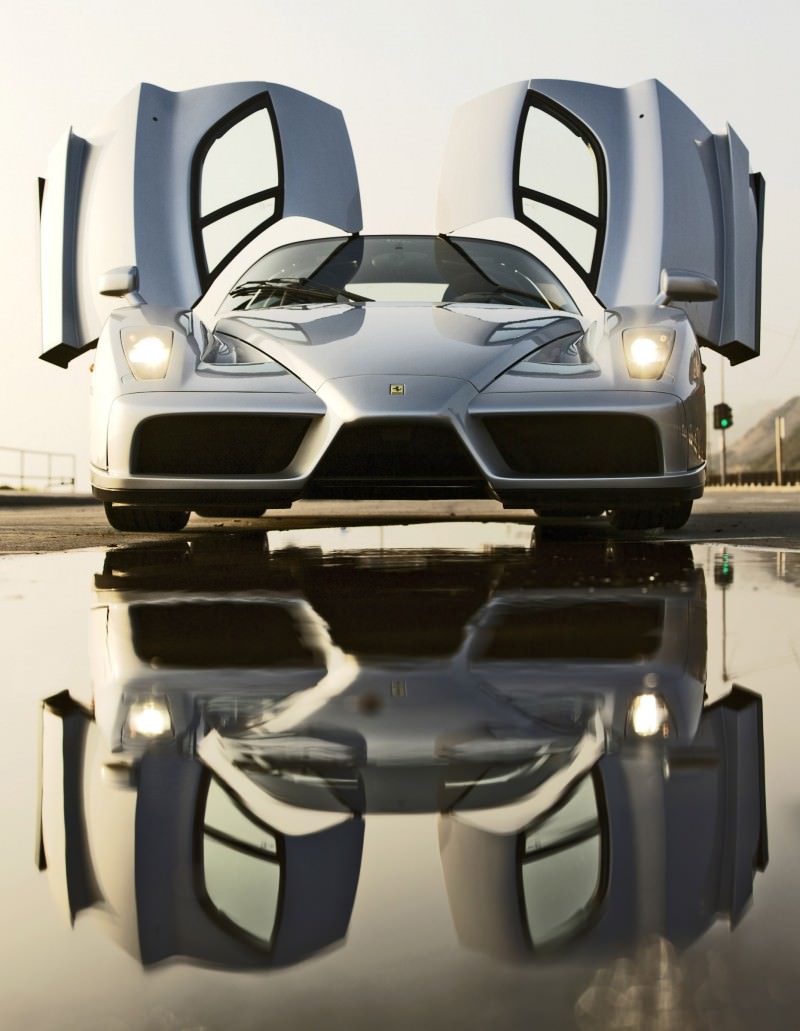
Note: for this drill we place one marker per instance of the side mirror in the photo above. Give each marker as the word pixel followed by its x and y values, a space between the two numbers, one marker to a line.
pixel 678 285
pixel 118 282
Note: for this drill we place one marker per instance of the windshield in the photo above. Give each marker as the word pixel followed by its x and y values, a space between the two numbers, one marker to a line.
pixel 421 269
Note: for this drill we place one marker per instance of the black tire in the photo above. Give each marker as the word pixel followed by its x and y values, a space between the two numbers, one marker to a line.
pixel 635 518
pixel 240 512
pixel 670 517
pixel 677 516
pixel 567 512
pixel 138 519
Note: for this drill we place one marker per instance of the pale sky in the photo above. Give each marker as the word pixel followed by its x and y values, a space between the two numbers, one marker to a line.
pixel 397 71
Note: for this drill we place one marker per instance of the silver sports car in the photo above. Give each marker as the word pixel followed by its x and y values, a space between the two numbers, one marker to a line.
pixel 541 349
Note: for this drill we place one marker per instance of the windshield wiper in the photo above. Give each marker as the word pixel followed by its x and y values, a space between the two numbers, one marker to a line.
pixel 306 287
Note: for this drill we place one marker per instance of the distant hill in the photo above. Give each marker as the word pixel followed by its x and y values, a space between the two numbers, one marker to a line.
pixel 755 452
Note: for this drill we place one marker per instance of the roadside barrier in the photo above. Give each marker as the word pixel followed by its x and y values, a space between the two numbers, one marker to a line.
pixel 24 469
pixel 791 478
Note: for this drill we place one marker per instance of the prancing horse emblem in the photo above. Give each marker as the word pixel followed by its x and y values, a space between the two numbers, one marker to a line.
pixel 397 388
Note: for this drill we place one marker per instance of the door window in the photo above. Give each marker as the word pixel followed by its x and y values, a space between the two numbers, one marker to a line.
pixel 562 868
pixel 241 866
pixel 237 186
pixel 560 186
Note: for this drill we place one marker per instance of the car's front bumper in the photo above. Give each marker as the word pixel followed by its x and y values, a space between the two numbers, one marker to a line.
pixel 440 451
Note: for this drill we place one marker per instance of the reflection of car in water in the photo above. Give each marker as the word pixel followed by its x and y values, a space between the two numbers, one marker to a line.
pixel 215 794
pixel 658 838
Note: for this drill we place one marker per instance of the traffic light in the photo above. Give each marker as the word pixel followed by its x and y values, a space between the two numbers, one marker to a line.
pixel 723 570
pixel 723 417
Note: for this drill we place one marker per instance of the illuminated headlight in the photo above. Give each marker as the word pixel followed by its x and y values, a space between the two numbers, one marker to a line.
pixel 647 351
pixel 149 718
pixel 147 350
pixel 648 716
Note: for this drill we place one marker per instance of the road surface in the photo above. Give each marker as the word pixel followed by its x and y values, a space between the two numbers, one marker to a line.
pixel 762 517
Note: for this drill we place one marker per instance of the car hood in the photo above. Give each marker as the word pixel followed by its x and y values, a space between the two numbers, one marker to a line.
pixel 475 343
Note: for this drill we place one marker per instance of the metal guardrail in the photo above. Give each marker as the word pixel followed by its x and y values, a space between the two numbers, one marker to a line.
pixel 790 478
pixel 36 470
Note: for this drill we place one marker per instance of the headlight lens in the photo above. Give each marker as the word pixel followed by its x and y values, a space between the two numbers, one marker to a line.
pixel 147 350
pixel 648 716
pixel 225 353
pixel 225 350
pixel 647 351
pixel 149 718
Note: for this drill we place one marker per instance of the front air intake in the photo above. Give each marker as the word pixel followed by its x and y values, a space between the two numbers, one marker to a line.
pixel 216 445
pixel 580 444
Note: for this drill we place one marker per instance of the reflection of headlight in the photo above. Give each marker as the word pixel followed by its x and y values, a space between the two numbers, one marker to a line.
pixel 647 351
pixel 147 351
pixel 648 715
pixel 149 718
pixel 224 351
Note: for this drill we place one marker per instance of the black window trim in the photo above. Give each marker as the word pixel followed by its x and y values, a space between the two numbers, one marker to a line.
pixel 201 831
pixel 261 101
pixel 593 908
pixel 522 193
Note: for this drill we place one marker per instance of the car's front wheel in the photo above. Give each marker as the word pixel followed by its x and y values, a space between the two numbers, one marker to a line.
pixel 240 512
pixel 137 518
pixel 671 517
pixel 567 511
pixel 677 516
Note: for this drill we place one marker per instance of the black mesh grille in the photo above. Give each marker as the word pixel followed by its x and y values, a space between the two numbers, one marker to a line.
pixel 208 634
pixel 590 444
pixel 216 445
pixel 397 459
pixel 605 631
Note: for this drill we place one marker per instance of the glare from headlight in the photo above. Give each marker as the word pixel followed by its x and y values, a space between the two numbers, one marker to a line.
pixel 648 716
pixel 647 352
pixel 147 351
pixel 149 718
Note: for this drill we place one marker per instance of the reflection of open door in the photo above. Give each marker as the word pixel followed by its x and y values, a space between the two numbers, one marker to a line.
pixel 175 184
pixel 622 183
pixel 61 832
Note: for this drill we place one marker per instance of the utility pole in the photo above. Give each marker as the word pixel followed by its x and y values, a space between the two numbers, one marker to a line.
pixel 780 433
pixel 724 462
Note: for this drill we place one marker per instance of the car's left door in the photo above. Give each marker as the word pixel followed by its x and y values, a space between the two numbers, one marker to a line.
pixel 621 184
pixel 172 185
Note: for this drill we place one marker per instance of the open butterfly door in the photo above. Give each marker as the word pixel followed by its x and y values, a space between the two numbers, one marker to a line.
pixel 171 187
pixel 622 183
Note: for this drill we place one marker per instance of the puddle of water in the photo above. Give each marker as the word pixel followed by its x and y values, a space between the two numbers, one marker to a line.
pixel 444 775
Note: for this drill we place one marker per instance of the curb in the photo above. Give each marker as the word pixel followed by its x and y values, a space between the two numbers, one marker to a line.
pixel 19 499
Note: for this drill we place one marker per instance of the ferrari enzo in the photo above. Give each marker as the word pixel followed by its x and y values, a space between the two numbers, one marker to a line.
pixel 542 348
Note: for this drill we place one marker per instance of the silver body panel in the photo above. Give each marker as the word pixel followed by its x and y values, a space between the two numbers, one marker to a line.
pixel 414 346
pixel 400 399
pixel 672 194
pixel 127 196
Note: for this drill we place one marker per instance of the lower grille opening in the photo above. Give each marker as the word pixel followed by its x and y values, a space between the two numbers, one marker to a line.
pixel 205 635
pixel 396 459
pixel 216 445
pixel 583 444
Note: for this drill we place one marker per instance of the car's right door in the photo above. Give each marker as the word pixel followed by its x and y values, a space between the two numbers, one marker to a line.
pixel 172 186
